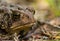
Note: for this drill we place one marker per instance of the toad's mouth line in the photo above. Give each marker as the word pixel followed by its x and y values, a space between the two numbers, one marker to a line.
pixel 22 26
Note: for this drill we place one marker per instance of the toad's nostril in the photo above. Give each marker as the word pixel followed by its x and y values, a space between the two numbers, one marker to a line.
pixel 27 16
pixel 58 25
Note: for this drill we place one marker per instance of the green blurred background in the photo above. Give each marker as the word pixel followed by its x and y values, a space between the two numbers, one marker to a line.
pixel 54 6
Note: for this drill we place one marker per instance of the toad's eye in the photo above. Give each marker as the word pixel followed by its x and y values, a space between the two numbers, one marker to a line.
pixel 31 10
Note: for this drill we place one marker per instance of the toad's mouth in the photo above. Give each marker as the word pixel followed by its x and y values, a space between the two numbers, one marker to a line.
pixel 20 27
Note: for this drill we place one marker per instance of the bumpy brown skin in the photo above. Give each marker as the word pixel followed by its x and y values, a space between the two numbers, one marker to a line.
pixel 15 18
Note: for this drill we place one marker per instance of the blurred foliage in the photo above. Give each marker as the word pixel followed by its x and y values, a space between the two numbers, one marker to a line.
pixel 54 6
